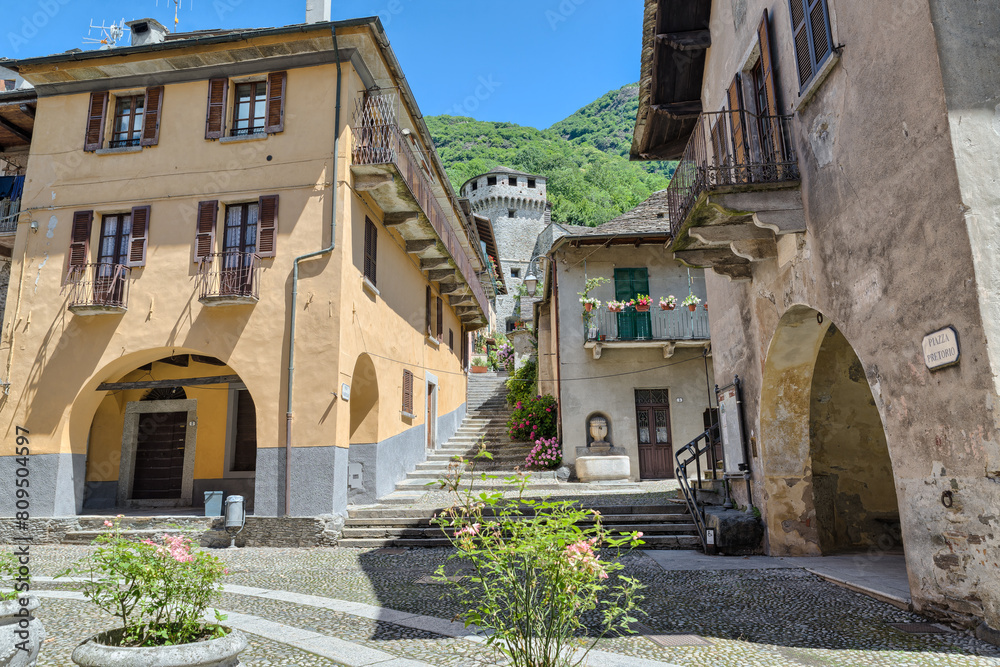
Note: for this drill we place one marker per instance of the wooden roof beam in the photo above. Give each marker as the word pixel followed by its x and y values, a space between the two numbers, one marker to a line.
pixel 691 40
pixel 15 130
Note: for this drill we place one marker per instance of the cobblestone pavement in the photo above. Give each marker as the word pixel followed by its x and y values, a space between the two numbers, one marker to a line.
pixel 773 618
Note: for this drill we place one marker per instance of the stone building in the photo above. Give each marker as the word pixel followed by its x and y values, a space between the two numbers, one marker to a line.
pixel 838 178
pixel 516 204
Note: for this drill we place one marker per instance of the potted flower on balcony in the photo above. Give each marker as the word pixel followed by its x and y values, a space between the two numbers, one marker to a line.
pixel 616 306
pixel 478 365
pixel 642 302
pixel 668 302
pixel 691 301
pixel 590 303
pixel 159 591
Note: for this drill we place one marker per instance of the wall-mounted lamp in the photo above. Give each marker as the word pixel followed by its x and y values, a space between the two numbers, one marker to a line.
pixel 34 225
pixel 531 282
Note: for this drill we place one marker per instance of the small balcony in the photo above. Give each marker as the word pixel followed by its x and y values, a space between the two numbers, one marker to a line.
pixel 10 208
pixel 230 279
pixel 735 191
pixel 664 329
pixel 98 289
pixel 391 170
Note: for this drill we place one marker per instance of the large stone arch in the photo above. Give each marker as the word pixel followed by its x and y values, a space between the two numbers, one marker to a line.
pixel 827 469
pixel 364 402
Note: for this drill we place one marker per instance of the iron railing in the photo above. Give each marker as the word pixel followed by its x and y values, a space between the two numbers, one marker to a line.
pixel 247 131
pixel 99 285
pixel 654 325
pixel 731 148
pixel 686 455
pixel 378 139
pixel 124 143
pixel 9 211
pixel 230 274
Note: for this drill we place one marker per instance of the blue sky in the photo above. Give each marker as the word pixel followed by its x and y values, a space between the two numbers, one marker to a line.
pixel 529 62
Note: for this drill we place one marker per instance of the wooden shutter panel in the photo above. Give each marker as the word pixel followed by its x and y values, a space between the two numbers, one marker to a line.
pixel 800 33
pixel 408 392
pixel 440 320
pixel 764 41
pixel 371 250
pixel 275 102
pixel 139 237
pixel 819 30
pixel 204 243
pixel 740 156
pixel 267 226
pixel 94 137
pixel 427 311
pixel 79 247
pixel 151 116
pixel 215 119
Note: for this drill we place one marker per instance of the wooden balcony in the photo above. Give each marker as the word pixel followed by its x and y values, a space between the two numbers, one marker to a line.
pixel 662 329
pixel 230 279
pixel 98 289
pixel 735 191
pixel 387 168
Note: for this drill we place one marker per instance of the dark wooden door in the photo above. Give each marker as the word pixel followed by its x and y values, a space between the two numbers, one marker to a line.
pixel 159 456
pixel 656 453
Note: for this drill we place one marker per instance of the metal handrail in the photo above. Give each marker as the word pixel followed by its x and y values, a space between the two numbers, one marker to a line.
pixel 378 139
pixel 685 456
pixel 731 149
pixel 101 284
pixel 230 274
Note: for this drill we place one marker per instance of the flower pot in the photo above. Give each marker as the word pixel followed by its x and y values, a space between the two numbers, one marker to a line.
pixel 666 306
pixel 706 306
pixel 222 652
pixel 691 307
pixel 478 369
pixel 641 308
pixel 588 307
pixel 10 654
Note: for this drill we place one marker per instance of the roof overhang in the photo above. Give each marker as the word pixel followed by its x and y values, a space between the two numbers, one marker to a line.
pixel 675 41
pixel 17 119
pixel 607 240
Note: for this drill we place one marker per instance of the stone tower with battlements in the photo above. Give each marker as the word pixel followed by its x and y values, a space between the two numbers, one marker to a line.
pixel 516 204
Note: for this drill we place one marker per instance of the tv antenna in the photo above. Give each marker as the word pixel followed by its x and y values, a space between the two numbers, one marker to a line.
pixel 110 35
pixel 177 7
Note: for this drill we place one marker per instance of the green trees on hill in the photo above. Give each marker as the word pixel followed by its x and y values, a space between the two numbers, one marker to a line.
pixel 584 157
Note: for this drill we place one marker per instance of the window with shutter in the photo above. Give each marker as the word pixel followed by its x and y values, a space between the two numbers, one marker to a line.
pixel 267 226
pixel 215 117
pixel 204 244
pixel 97 111
pixel 276 102
pixel 812 37
pixel 79 247
pixel 151 120
pixel 427 312
pixel 440 319
pixel 451 340
pixel 408 392
pixel 371 250
pixel 138 238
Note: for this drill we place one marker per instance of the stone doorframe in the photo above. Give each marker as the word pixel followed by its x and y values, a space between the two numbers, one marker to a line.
pixel 130 441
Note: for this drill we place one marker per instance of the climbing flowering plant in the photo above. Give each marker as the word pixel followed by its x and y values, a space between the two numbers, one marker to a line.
pixel 534 418
pixel 159 589
pixel 545 455
pixel 545 574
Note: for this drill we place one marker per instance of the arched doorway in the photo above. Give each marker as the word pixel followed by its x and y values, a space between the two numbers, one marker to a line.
pixel 364 402
pixel 827 469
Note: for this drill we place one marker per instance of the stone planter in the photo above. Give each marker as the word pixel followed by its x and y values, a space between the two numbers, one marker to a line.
pixel 222 652
pixel 11 615
pixel 603 468
pixel 478 369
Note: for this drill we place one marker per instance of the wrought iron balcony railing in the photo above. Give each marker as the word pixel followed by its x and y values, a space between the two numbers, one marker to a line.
pixel 230 277
pixel 733 150
pixel 655 325
pixel 98 287
pixel 9 210
pixel 378 139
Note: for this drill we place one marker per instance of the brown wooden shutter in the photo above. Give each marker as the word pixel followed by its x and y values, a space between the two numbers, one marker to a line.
pixel 94 137
pixel 764 41
pixel 79 246
pixel 440 320
pixel 204 243
pixel 408 392
pixel 215 119
pixel 740 156
pixel 451 339
pixel 427 311
pixel 267 226
pixel 371 250
pixel 151 116
pixel 139 237
pixel 275 102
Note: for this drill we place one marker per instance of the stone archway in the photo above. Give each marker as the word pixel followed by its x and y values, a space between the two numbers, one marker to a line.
pixel 827 470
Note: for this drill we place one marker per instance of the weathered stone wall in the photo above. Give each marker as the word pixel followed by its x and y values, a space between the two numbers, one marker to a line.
pixel 887 258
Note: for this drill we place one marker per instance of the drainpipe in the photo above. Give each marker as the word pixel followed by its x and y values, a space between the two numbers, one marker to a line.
pixel 295 282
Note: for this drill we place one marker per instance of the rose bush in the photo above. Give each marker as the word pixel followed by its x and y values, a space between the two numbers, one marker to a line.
pixel 534 418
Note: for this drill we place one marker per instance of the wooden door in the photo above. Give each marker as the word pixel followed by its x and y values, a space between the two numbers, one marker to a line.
pixel 656 453
pixel 159 456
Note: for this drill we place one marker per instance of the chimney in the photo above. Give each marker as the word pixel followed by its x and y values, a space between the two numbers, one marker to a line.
pixel 147 31
pixel 317 10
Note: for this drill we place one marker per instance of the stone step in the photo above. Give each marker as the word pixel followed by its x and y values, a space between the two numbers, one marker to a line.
pixel 428 531
pixel 648 523
pixel 498 483
pixel 88 536
pixel 647 513
pixel 651 542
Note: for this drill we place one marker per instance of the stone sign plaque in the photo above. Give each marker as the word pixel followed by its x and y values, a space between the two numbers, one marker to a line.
pixel 941 348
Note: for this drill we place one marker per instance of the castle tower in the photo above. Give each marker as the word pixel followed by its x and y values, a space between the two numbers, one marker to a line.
pixel 515 203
